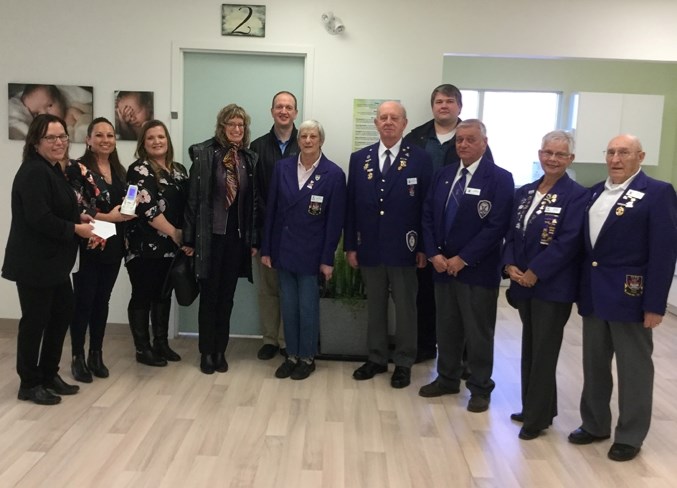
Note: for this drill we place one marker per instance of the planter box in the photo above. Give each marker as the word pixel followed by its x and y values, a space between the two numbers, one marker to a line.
pixel 343 329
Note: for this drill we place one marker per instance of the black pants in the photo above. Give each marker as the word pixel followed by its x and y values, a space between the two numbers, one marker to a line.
pixel 217 292
pixel 92 285
pixel 147 277
pixel 45 315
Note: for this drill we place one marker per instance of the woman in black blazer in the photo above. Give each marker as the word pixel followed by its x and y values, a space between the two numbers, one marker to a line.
pixel 39 256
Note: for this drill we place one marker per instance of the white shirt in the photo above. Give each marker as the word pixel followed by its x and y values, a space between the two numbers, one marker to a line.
pixel 534 203
pixel 599 211
pixel 394 151
pixel 445 137
pixel 303 174
pixel 471 170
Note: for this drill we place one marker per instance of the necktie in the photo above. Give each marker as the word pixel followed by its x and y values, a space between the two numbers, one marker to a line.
pixel 387 162
pixel 454 201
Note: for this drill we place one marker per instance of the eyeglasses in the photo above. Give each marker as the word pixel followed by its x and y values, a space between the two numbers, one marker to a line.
pixel 52 139
pixel 233 125
pixel 621 153
pixel 550 154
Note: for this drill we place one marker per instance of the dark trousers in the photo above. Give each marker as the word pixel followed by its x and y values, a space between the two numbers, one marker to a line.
pixel 542 330
pixel 92 285
pixel 147 277
pixel 466 314
pixel 425 310
pixel 632 344
pixel 45 315
pixel 217 292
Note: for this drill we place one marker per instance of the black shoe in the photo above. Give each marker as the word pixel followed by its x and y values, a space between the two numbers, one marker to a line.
pixel 149 358
pixel 286 369
pixel 622 452
pixel 38 394
pixel 425 355
pixel 79 369
pixel 303 370
pixel 220 363
pixel 580 436
pixel 401 377
pixel 267 351
pixel 517 417
pixel 479 403
pixel 59 387
pixel 96 366
pixel 207 365
pixel 436 389
pixel 162 350
pixel 527 435
pixel 368 370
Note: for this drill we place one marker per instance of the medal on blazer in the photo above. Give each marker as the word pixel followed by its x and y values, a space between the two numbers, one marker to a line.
pixel 549 227
pixel 620 211
pixel 411 182
pixel 315 207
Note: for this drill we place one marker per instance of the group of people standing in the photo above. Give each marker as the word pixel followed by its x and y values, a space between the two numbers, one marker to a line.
pixel 430 219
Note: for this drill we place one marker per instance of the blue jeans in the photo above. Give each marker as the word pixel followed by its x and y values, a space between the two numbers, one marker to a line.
pixel 300 305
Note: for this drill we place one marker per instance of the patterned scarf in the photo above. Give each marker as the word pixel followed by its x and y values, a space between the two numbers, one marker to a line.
pixel 230 162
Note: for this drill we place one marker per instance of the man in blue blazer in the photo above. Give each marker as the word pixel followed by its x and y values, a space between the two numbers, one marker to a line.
pixel 630 238
pixel 387 184
pixel 465 217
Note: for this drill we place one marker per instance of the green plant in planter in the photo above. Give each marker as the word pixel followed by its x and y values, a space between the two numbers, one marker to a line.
pixel 346 283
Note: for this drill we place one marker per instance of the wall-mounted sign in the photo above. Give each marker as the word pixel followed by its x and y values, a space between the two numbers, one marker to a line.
pixel 243 20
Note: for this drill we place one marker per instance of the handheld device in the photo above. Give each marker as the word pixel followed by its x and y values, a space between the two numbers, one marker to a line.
pixel 128 206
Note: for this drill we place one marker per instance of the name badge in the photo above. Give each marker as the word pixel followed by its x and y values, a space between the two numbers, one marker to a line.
pixel 316 198
pixel 412 181
pixel 553 210
pixel 635 194
pixel 472 191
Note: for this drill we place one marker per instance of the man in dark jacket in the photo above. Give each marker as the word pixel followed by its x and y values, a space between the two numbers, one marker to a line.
pixel 277 144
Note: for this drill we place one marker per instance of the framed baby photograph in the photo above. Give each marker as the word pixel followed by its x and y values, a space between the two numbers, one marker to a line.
pixel 72 103
pixel 243 20
pixel 132 110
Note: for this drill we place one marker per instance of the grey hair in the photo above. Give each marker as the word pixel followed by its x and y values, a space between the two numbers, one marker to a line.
pixel 468 123
pixel 560 135
pixel 399 104
pixel 311 124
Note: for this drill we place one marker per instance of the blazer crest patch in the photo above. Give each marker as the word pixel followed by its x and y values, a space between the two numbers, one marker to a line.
pixel 412 239
pixel 483 208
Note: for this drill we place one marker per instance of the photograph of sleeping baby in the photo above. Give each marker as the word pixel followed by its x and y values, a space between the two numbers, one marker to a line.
pixel 70 102
pixel 132 110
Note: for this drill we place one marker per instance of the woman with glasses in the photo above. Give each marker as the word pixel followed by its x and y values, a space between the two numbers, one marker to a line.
pixel 219 229
pixel 99 182
pixel 40 253
pixel 153 239
pixel 542 259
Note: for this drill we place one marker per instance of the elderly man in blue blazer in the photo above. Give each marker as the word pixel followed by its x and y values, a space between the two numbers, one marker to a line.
pixel 304 218
pixel 387 184
pixel 465 218
pixel 630 239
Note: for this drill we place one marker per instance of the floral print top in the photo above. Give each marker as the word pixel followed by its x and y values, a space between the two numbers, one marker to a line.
pixel 94 195
pixel 163 193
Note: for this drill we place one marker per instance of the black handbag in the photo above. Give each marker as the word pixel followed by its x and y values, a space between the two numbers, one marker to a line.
pixel 181 279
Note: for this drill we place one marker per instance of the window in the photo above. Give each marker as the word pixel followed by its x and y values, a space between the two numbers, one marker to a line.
pixel 516 122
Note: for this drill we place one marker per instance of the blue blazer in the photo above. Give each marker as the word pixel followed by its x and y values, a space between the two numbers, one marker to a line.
pixel 630 269
pixel 480 225
pixel 551 244
pixel 303 227
pixel 383 214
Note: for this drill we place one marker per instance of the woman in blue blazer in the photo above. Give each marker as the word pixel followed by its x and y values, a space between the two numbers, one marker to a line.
pixel 304 219
pixel 541 257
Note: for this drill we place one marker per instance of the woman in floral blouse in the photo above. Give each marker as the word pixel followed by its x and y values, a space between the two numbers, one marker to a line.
pixel 99 182
pixel 153 239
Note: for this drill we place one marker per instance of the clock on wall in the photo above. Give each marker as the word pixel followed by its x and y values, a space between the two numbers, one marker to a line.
pixel 243 20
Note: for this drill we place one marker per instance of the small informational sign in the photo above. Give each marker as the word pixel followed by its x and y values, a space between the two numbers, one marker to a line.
pixel 243 20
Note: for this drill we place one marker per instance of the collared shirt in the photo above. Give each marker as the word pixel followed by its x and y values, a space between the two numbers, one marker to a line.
pixel 302 173
pixel 394 151
pixel 471 171
pixel 599 211
pixel 534 203
pixel 282 144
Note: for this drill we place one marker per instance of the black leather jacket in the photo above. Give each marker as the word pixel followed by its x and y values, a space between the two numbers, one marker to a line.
pixel 197 228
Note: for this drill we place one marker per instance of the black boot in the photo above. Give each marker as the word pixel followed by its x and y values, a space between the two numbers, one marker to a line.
pixel 79 369
pixel 138 323
pixel 159 317
pixel 95 364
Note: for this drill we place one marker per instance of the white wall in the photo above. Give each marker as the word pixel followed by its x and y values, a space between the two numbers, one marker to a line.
pixel 390 49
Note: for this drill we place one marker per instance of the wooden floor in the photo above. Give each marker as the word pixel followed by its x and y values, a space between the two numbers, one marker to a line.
pixel 175 427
